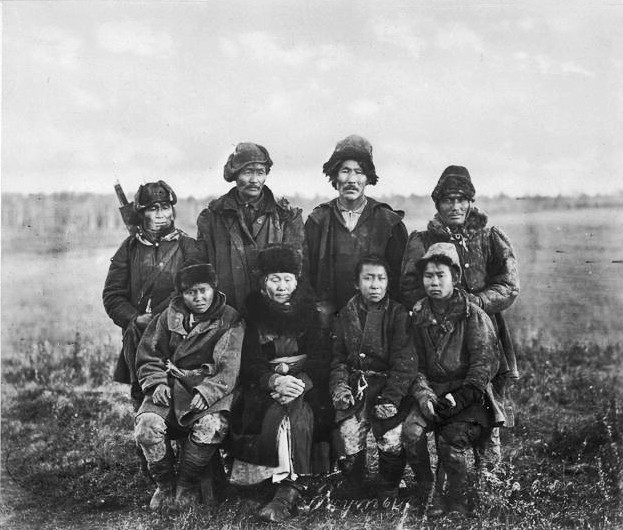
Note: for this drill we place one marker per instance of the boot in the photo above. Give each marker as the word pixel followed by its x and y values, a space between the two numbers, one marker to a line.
pixel 391 468
pixel 163 474
pixel 353 468
pixel 283 503
pixel 194 464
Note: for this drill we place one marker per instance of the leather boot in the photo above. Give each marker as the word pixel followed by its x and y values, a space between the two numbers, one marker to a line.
pixel 163 474
pixel 391 468
pixel 194 465
pixel 353 468
pixel 283 504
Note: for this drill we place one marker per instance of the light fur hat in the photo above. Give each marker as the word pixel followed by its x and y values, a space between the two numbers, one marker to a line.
pixel 444 253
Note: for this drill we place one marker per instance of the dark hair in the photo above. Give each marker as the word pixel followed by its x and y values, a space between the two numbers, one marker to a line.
pixel 367 168
pixel 440 259
pixel 371 259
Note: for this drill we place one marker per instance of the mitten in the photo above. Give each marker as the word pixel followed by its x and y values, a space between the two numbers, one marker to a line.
pixel 384 409
pixel 342 397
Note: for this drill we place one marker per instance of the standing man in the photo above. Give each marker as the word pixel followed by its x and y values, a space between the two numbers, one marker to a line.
pixel 234 228
pixel 340 232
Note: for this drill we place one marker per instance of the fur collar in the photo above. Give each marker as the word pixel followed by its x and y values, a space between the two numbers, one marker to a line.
pixel 476 220
pixel 279 319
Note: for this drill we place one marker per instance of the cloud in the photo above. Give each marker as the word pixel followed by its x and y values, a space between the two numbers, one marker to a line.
pixel 364 108
pixel 400 34
pixel 52 46
pixel 134 37
pixel 547 66
pixel 459 37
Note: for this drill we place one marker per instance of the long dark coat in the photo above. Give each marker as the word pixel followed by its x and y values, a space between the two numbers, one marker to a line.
pixel 212 348
pixel 460 350
pixel 225 240
pixel 489 272
pixel 142 275
pixel 331 251
pixel 387 350
pixel 273 331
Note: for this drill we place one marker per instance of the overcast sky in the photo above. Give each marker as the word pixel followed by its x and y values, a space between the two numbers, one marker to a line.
pixel 527 95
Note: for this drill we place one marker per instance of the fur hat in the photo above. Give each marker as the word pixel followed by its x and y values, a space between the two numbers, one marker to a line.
pixel 153 192
pixel 279 258
pixel 193 272
pixel 356 148
pixel 246 153
pixel 444 253
pixel 454 179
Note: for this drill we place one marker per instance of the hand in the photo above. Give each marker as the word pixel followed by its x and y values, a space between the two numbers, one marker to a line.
pixel 162 395
pixel 384 410
pixel 282 400
pixel 451 404
pixel 288 386
pixel 143 320
pixel 427 408
pixel 198 403
pixel 342 397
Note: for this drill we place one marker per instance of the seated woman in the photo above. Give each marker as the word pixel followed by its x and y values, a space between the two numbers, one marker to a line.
pixel 458 357
pixel 187 363
pixel 272 436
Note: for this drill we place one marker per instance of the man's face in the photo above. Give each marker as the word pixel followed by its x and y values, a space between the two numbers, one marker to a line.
pixel 373 282
pixel 279 286
pixel 158 217
pixel 198 298
pixel 250 181
pixel 437 281
pixel 453 209
pixel 351 181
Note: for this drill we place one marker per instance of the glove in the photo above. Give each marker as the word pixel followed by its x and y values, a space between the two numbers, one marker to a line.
pixel 162 395
pixel 384 409
pixel 342 397
pixel 450 405
pixel 427 407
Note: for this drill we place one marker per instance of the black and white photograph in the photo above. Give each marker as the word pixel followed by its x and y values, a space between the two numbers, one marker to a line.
pixel 311 264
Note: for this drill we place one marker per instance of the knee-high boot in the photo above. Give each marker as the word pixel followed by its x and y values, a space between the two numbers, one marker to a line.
pixel 281 507
pixel 163 474
pixel 195 463
pixel 353 468
pixel 391 468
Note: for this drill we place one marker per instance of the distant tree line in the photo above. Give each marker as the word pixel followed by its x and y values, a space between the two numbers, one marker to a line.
pixel 59 221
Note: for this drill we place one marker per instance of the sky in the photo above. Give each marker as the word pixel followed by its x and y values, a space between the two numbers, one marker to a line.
pixel 527 95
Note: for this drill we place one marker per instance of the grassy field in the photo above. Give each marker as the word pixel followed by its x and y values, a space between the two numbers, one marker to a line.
pixel 68 459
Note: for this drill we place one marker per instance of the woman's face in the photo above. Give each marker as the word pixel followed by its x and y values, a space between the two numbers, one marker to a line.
pixel 279 286
pixel 158 217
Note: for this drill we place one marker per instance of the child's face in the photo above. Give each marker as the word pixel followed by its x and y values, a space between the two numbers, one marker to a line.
pixel 279 286
pixel 437 281
pixel 198 298
pixel 373 282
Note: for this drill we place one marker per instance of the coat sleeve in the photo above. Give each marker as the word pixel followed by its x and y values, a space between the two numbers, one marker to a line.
pixel 152 354
pixel 227 354
pixel 394 253
pixel 116 294
pixel 206 245
pixel 402 359
pixel 293 230
pixel 254 369
pixel 503 276
pixel 310 253
pixel 482 346
pixel 339 354
pixel 411 289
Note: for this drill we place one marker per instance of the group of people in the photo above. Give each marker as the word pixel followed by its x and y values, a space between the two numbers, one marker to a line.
pixel 286 342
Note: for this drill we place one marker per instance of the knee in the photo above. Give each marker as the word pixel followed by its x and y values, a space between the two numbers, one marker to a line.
pixel 391 441
pixel 210 429
pixel 149 429
pixel 459 435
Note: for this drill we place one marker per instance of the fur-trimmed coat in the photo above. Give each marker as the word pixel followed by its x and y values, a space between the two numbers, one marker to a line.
pixel 212 348
pixel 331 251
pixel 489 271
pixel 274 331
pixel 462 349
pixel 225 240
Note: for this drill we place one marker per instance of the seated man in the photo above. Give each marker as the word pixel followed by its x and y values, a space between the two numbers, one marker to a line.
pixel 458 357
pixel 187 363
pixel 372 369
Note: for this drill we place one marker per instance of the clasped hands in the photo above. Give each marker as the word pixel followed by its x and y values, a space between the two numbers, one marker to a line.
pixel 286 388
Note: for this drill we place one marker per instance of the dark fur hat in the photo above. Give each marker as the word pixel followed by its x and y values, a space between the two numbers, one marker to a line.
pixel 454 179
pixel 153 192
pixel 356 148
pixel 246 153
pixel 193 272
pixel 279 258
